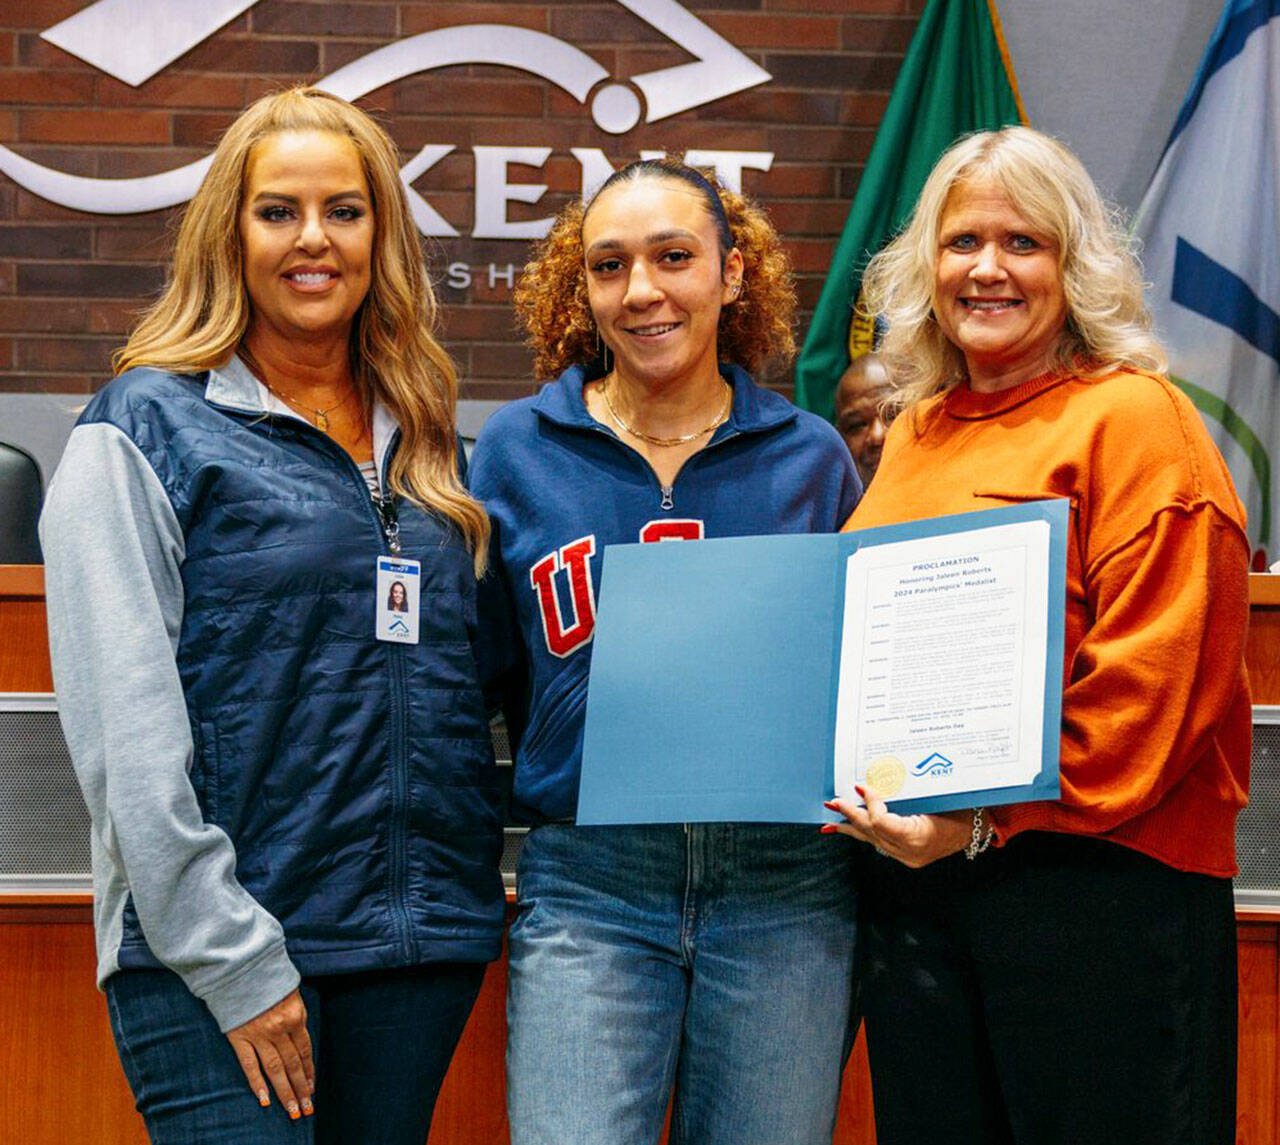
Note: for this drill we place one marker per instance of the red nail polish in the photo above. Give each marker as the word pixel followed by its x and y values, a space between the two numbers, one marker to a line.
pixel 828 829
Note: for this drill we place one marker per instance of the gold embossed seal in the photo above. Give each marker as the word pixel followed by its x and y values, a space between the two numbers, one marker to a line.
pixel 886 776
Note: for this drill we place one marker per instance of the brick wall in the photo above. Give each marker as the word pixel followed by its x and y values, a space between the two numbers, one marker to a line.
pixel 70 281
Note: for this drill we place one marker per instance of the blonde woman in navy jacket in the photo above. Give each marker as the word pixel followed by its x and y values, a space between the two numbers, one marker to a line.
pixel 715 958
pixel 295 826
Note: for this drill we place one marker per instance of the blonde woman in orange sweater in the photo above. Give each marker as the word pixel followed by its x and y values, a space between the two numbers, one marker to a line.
pixel 1065 971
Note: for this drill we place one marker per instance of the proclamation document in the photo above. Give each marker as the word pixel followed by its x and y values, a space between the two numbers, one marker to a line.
pixel 943 646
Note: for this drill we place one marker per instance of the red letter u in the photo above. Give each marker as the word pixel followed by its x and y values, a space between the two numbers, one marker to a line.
pixel 576 558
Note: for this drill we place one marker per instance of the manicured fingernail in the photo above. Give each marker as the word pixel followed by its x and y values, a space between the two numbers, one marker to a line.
pixel 264 1098
pixel 293 1111
pixel 307 1107
pixel 828 829
pixel 830 804
pixel 862 791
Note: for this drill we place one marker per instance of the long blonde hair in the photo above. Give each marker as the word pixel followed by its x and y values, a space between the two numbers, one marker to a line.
pixel 200 319
pixel 1107 322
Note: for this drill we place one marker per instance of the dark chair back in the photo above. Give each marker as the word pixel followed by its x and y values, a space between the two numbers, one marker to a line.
pixel 20 498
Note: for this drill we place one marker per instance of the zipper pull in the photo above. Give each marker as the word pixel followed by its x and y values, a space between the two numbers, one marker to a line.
pixel 667 501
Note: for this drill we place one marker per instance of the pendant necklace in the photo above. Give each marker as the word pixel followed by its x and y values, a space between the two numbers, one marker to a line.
pixel 319 416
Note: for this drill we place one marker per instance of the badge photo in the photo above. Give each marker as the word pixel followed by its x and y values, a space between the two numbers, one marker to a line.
pixel 397 600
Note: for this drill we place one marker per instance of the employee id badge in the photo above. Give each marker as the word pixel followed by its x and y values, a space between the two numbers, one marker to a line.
pixel 397 592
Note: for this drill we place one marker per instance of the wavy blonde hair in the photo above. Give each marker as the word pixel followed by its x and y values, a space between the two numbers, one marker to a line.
pixel 1107 322
pixel 200 319
pixel 757 327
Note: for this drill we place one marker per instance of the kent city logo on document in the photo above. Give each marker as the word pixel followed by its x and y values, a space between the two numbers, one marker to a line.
pixel 934 764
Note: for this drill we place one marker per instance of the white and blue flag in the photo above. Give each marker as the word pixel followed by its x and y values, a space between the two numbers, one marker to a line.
pixel 1210 224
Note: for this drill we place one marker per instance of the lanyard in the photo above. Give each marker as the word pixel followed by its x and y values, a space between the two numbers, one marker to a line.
pixel 389 517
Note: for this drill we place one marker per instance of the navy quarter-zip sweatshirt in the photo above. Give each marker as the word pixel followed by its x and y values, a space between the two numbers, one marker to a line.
pixel 560 486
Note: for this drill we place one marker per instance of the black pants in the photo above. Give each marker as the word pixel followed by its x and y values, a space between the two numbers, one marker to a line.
pixel 1058 990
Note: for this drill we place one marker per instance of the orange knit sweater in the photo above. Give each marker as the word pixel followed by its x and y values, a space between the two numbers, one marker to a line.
pixel 1156 719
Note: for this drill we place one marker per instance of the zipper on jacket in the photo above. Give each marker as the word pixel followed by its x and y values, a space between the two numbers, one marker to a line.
pixel 384 515
pixel 666 493
pixel 386 510
pixel 397 844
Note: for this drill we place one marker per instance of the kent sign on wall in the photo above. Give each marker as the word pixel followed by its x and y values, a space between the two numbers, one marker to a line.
pixel 133 40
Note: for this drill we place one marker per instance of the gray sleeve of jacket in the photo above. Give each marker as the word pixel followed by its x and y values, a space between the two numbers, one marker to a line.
pixel 113 549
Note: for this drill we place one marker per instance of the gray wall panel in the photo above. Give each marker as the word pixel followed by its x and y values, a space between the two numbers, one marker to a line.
pixel 1107 77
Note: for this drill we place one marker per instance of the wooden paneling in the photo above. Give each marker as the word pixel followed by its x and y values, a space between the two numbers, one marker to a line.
pixel 472 1108
pixel 855 1123
pixel 22 581
pixel 1264 590
pixel 59 1075
pixel 1259 978
pixel 24 644
pixel 1262 651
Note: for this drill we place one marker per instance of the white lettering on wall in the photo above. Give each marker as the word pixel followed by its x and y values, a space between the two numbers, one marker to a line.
pixel 428 219
pixel 728 165
pixel 493 192
pixel 596 168
pixel 507 274
pixel 134 39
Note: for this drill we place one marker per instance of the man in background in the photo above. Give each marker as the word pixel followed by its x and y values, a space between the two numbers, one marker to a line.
pixel 862 389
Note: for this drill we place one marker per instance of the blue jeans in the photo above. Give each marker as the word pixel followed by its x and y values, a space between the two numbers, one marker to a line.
pixel 713 959
pixel 382 1041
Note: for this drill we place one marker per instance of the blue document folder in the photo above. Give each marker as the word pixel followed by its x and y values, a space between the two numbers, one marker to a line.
pixel 716 667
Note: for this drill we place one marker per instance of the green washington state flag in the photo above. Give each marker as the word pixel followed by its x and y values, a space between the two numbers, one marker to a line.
pixel 956 78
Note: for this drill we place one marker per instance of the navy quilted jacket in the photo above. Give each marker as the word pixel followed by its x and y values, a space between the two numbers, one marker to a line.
pixel 353 779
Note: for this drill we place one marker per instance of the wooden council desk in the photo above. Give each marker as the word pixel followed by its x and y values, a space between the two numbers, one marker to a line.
pixel 60 1080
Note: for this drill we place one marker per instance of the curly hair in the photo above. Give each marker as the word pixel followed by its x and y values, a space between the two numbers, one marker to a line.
pixel 757 327
pixel 204 311
pixel 1107 321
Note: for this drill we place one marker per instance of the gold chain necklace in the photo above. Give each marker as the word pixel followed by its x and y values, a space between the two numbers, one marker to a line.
pixel 720 419
pixel 319 416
